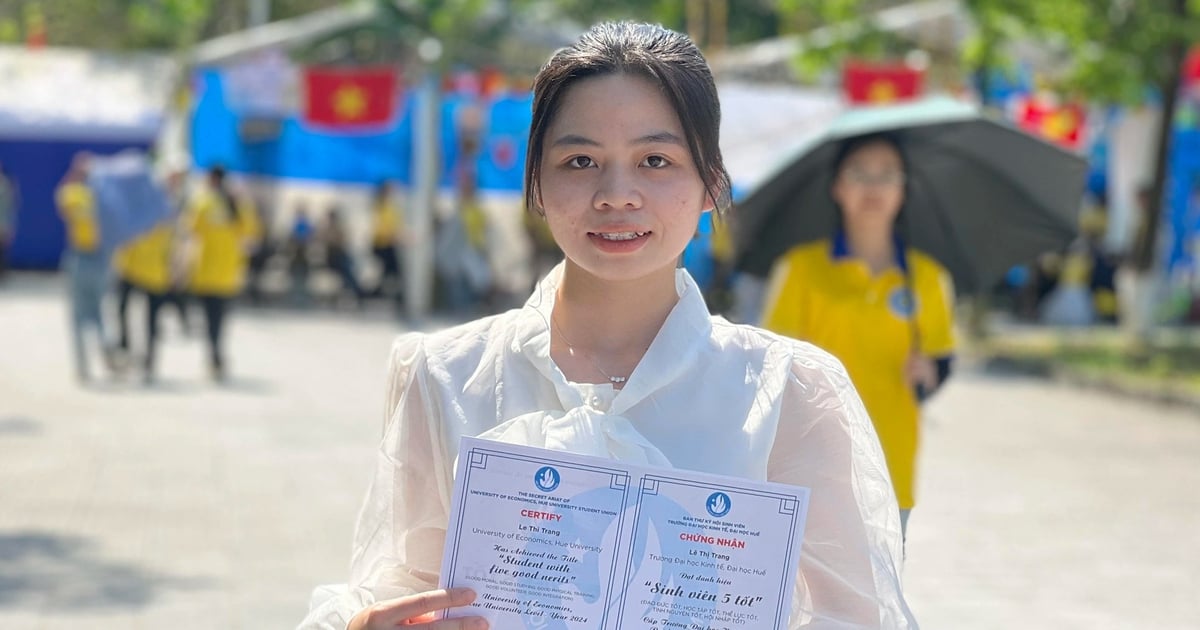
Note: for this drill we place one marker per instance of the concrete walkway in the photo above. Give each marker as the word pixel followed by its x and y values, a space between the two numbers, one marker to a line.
pixel 188 505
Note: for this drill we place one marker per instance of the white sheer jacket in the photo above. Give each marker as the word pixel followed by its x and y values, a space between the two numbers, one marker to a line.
pixel 708 395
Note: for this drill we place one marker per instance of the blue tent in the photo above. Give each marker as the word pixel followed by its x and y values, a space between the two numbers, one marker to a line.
pixel 57 103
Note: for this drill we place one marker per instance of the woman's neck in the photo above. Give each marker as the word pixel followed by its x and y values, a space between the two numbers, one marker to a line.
pixel 875 247
pixel 611 324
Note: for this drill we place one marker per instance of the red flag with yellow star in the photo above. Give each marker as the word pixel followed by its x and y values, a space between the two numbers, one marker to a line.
pixel 1060 123
pixel 877 84
pixel 349 98
pixel 1191 67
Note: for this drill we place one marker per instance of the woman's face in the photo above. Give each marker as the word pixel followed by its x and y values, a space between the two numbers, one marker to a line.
pixel 869 187
pixel 618 184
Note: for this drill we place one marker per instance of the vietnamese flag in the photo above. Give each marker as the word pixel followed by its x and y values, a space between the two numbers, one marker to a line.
pixel 1062 124
pixel 876 84
pixel 349 97
pixel 1191 67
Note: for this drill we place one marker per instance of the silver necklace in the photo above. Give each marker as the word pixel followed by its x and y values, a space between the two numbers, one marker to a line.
pixel 615 380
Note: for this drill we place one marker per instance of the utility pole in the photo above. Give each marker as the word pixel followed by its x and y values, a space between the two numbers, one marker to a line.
pixel 695 21
pixel 259 13
pixel 718 24
pixel 419 270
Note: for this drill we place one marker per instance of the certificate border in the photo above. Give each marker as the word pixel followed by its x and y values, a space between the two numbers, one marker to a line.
pixel 650 486
pixel 473 462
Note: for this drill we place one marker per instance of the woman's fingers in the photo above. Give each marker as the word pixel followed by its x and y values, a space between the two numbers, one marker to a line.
pixel 408 609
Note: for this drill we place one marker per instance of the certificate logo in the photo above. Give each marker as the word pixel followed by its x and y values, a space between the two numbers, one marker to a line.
pixel 546 479
pixel 718 504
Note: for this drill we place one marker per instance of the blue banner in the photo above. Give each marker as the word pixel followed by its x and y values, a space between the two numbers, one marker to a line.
pixel 287 148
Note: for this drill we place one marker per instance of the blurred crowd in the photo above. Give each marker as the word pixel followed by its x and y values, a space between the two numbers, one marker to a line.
pixel 1089 282
pixel 215 246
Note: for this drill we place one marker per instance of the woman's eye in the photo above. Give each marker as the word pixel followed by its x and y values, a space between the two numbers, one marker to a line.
pixel 580 161
pixel 655 161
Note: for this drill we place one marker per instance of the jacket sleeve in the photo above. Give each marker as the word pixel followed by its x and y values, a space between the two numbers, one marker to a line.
pixel 849 561
pixel 401 527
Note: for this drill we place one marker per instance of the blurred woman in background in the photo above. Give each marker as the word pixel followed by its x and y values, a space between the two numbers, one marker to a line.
pixel 220 231
pixel 882 308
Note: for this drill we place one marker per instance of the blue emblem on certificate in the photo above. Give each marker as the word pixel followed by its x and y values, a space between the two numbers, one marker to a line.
pixel 546 479
pixel 718 504
pixel 597 544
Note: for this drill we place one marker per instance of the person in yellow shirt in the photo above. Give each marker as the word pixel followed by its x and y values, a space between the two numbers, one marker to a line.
pixel 85 262
pixel 387 238
pixel 883 309
pixel 338 257
pixel 144 266
pixel 219 230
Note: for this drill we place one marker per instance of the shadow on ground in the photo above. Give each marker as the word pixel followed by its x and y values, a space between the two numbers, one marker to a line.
pixel 68 573
pixel 19 425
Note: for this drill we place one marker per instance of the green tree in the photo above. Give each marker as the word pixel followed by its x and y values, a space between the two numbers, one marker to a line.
pixel 138 24
pixel 1117 50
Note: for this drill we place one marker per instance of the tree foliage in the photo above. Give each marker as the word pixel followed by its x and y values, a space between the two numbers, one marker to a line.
pixel 136 24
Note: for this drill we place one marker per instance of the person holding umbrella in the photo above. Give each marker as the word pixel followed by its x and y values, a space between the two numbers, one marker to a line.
pixel 85 261
pixel 884 309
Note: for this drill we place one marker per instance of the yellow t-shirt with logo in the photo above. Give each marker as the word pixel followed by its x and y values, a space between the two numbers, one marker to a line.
pixel 819 294
pixel 77 207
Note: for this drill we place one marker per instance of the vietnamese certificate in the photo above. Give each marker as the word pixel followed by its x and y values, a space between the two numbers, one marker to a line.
pixel 553 540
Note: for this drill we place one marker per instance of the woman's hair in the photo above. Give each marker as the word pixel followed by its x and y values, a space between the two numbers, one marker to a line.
pixel 850 146
pixel 653 52
pixel 216 175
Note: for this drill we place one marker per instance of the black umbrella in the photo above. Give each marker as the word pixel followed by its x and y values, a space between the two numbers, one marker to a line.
pixel 983 196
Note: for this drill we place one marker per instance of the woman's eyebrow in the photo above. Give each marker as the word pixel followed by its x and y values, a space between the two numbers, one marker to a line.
pixel 574 140
pixel 658 137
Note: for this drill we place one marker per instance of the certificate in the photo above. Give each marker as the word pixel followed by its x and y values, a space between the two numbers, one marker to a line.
pixel 558 541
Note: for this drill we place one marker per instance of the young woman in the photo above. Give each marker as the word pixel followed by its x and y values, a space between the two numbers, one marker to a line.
pixel 883 309
pixel 220 230
pixel 616 355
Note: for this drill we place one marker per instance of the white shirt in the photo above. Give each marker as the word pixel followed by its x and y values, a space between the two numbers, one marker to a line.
pixel 707 395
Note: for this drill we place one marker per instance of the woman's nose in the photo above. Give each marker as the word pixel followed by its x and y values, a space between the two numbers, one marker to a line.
pixel 617 188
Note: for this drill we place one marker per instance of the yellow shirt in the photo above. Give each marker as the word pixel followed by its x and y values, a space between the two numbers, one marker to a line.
pixel 819 294
pixel 77 207
pixel 387 224
pixel 475 224
pixel 218 265
pixel 146 261
pixel 722 239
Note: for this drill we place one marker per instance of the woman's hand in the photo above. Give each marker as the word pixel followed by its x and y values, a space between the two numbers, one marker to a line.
pixel 417 611
pixel 921 373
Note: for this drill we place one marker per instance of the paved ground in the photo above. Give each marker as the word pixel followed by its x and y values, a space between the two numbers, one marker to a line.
pixel 187 505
